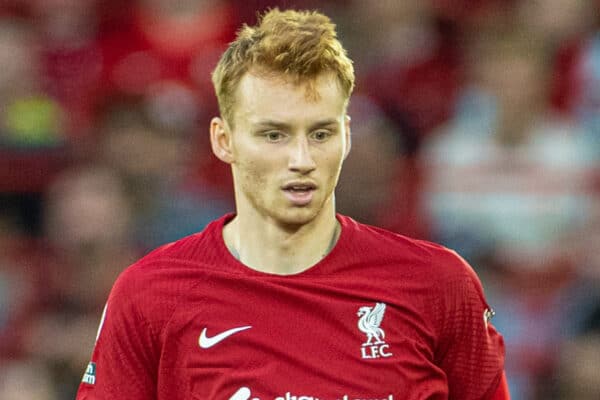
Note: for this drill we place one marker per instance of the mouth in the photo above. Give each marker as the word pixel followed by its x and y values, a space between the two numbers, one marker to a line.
pixel 299 193
pixel 299 186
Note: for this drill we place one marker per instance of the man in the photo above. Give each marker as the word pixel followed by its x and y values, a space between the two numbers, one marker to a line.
pixel 285 299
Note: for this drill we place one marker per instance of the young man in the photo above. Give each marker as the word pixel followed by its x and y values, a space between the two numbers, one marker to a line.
pixel 285 299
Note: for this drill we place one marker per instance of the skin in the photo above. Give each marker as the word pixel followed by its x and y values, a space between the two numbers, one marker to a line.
pixel 283 133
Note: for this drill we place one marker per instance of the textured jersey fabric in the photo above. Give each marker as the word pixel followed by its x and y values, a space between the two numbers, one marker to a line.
pixel 382 316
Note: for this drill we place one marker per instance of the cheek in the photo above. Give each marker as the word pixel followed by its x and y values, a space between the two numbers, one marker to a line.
pixel 255 174
pixel 334 166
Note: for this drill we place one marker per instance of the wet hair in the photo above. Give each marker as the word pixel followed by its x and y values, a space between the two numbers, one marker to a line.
pixel 295 45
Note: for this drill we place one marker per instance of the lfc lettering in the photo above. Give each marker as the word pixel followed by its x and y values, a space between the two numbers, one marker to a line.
pixel 377 351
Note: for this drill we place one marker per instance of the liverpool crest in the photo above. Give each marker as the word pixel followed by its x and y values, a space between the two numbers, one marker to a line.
pixel 369 322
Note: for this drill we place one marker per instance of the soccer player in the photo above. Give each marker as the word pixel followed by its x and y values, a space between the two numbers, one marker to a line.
pixel 285 299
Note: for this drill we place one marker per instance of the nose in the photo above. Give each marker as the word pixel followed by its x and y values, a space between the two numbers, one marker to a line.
pixel 301 159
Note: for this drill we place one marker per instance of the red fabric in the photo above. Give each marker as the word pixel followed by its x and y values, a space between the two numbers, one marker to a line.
pixel 308 333
pixel 502 391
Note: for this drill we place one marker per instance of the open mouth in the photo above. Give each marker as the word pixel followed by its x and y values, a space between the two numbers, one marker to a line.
pixel 299 194
pixel 299 187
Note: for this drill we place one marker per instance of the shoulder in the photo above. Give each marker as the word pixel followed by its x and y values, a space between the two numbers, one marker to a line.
pixel 437 264
pixel 377 242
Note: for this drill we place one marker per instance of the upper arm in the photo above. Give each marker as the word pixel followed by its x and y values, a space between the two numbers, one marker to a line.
pixel 502 392
pixel 472 351
pixel 124 359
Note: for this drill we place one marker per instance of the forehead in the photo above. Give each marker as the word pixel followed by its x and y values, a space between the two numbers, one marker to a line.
pixel 277 97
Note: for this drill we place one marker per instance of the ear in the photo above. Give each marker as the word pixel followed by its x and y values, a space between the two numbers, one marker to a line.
pixel 348 136
pixel 220 140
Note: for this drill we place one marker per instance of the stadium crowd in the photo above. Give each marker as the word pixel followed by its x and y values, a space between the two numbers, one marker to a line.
pixel 476 123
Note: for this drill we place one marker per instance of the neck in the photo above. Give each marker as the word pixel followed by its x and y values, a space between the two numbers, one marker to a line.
pixel 268 247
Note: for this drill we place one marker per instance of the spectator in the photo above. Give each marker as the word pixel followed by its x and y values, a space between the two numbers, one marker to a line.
pixel 506 183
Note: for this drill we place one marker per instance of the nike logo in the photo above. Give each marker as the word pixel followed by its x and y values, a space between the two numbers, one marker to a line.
pixel 207 342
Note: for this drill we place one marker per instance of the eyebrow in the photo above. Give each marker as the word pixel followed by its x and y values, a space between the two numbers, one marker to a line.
pixel 282 125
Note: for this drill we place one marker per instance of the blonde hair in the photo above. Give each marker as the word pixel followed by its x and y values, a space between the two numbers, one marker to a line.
pixel 299 45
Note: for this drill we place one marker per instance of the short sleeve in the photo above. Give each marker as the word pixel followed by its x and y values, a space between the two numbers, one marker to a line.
pixel 124 359
pixel 471 351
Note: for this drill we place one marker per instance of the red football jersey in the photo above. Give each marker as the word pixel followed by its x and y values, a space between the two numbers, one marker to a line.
pixel 380 317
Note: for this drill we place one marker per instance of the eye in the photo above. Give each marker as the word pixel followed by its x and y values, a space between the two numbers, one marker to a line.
pixel 273 136
pixel 321 135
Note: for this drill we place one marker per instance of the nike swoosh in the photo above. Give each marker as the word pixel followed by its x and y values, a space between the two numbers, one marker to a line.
pixel 207 342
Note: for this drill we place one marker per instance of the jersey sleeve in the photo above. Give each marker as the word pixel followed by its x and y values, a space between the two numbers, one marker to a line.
pixel 471 351
pixel 124 359
pixel 502 392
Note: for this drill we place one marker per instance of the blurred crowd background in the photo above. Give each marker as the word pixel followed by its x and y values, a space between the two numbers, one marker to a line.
pixel 476 123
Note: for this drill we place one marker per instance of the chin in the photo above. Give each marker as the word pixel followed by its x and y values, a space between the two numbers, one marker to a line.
pixel 296 217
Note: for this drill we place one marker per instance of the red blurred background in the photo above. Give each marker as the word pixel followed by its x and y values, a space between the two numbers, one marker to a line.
pixel 476 123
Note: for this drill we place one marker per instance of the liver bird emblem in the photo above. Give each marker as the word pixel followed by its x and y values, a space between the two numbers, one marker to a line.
pixel 369 321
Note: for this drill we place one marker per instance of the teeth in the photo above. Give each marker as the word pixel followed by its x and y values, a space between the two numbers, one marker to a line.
pixel 301 188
